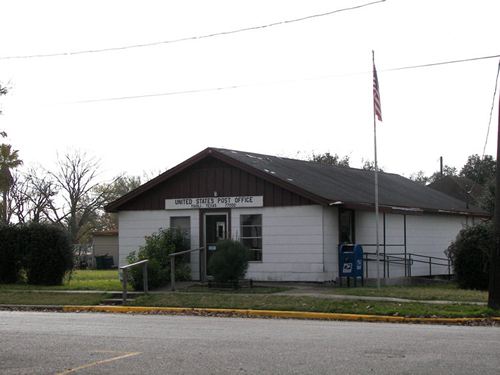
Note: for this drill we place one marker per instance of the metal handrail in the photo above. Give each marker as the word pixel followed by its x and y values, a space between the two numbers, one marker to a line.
pixel 125 277
pixel 172 264
pixel 408 260
pixel 420 255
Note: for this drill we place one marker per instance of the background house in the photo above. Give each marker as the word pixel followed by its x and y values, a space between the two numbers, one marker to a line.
pixel 461 188
pixel 106 243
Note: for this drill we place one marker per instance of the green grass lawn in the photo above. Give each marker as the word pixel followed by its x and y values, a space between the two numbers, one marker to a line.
pixel 23 297
pixel 296 303
pixel 106 280
pixel 443 292
pixel 254 290
pixel 260 298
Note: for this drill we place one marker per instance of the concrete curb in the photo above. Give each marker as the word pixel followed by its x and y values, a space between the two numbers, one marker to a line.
pixel 276 314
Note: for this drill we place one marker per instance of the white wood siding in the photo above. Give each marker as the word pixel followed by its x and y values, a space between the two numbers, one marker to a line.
pixel 426 234
pixel 300 243
pixel 292 243
pixel 134 226
pixel 330 242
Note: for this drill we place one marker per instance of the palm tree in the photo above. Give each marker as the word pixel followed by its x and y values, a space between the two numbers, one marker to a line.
pixel 9 159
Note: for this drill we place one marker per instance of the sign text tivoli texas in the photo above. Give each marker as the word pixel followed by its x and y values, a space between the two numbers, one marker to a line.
pixel 214 202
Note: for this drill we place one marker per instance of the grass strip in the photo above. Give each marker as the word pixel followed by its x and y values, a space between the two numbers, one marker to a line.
pixel 253 290
pixel 106 280
pixel 441 292
pixel 47 298
pixel 311 304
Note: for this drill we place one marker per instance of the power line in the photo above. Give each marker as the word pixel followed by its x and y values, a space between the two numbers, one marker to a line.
pixel 221 33
pixel 491 110
pixel 440 63
pixel 233 87
pixel 182 92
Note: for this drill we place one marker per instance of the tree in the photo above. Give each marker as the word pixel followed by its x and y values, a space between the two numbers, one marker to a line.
pixel 487 198
pixel 480 170
pixel 330 159
pixel 75 179
pixel 111 191
pixel 3 91
pixel 447 171
pixel 32 196
pixel 420 177
pixel 369 165
pixel 9 159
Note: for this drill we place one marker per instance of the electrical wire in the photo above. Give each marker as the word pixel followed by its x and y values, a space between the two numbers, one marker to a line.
pixel 190 38
pixel 428 65
pixel 491 111
pixel 233 87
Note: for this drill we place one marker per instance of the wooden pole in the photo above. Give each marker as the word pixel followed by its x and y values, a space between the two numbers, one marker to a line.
pixel 494 284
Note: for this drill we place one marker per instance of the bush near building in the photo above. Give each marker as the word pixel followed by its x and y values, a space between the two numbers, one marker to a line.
pixel 230 262
pixel 157 249
pixel 41 253
pixel 470 254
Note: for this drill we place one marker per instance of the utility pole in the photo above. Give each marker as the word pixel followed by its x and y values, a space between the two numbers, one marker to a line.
pixel 441 166
pixel 494 284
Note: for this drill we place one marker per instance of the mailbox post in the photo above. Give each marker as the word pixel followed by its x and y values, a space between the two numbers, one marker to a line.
pixel 350 263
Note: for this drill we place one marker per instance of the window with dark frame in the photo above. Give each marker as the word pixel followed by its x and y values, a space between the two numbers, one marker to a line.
pixel 251 235
pixel 183 223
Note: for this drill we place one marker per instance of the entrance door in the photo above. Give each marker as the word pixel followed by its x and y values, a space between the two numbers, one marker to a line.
pixel 215 230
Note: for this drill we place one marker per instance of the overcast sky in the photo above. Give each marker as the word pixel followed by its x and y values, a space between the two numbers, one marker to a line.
pixel 288 90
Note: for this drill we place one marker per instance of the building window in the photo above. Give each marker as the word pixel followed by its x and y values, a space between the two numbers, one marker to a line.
pixel 183 223
pixel 346 226
pixel 251 235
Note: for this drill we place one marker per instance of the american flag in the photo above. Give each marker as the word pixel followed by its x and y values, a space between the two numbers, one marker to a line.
pixel 376 95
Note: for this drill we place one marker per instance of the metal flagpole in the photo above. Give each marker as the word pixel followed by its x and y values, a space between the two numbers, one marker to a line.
pixel 376 173
pixel 376 201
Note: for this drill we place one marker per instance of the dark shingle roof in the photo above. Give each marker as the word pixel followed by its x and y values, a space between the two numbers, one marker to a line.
pixel 351 185
pixel 322 183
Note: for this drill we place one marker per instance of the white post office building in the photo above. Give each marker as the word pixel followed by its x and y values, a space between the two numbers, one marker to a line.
pixel 293 214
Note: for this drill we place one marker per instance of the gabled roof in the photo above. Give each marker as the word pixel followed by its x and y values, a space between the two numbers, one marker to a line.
pixel 324 184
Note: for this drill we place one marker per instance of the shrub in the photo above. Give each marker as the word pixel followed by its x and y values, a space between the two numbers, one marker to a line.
pixel 157 249
pixel 42 252
pixel 470 253
pixel 10 254
pixel 48 254
pixel 229 262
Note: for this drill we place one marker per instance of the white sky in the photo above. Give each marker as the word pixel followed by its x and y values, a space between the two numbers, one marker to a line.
pixel 308 85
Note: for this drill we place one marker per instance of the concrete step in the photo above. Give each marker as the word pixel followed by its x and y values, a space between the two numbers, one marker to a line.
pixel 116 298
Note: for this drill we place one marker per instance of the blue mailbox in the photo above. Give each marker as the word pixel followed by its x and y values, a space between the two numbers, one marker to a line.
pixel 350 261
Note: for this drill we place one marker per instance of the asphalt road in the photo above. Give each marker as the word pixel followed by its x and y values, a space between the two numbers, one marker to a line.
pixel 89 343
